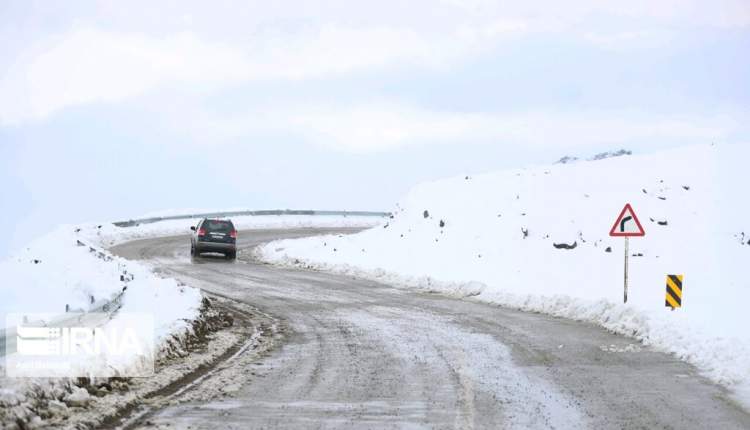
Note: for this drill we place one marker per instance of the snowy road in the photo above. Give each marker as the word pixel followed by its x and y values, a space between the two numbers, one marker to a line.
pixel 363 354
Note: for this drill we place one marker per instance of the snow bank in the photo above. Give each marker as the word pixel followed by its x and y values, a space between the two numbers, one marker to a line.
pixel 493 237
pixel 67 270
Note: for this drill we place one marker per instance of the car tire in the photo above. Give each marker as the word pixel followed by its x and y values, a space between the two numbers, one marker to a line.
pixel 194 252
pixel 231 255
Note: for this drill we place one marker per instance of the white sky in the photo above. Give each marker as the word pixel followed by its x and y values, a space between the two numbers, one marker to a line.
pixel 110 109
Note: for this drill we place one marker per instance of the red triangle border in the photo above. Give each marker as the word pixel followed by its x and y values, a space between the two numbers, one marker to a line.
pixel 641 231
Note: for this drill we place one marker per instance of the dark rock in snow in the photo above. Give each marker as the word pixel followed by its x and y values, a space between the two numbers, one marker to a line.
pixel 525 232
pixel 661 198
pixel 662 222
pixel 565 245
pixel 637 255
pixel 644 191
pixel 566 159
pixel 609 249
pixel 610 154
pixel 441 223
pixel 426 214
pixel 686 188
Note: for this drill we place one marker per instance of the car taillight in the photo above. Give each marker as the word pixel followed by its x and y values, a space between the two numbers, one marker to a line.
pixel 233 234
pixel 202 232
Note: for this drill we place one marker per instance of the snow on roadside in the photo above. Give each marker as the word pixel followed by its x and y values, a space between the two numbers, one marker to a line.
pixel 59 272
pixel 497 237
pixel 67 270
pixel 70 269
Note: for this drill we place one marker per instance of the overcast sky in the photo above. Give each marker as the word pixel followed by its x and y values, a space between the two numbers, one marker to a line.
pixel 112 109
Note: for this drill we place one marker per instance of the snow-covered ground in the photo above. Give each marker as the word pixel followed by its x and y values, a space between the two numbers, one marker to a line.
pixel 68 269
pixel 60 272
pixel 493 237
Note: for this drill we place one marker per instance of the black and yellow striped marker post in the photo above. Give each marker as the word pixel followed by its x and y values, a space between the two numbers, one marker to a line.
pixel 674 291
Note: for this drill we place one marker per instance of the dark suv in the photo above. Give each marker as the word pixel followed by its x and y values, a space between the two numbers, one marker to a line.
pixel 214 235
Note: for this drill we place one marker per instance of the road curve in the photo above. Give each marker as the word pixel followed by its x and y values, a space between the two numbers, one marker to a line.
pixel 360 354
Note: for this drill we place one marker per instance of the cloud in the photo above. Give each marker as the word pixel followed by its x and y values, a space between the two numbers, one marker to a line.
pixel 88 66
pixel 629 40
pixel 91 65
pixel 581 13
pixel 380 128
pixel 385 126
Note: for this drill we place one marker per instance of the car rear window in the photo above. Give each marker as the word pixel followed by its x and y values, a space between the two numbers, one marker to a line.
pixel 218 225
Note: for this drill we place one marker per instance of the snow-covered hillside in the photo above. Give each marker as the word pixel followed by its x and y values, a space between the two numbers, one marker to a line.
pixel 493 237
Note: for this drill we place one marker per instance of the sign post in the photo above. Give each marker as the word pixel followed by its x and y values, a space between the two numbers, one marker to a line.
pixel 627 225
pixel 625 295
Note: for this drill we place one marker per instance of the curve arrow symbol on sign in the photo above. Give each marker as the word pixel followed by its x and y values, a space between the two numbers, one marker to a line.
pixel 623 227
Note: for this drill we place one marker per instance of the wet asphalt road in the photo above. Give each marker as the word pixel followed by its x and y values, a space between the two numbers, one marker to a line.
pixel 360 354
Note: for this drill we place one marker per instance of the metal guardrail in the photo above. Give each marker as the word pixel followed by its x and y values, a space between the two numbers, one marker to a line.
pixel 136 222
pixel 105 306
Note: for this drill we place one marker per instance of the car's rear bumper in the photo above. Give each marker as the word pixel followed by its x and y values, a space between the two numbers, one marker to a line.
pixel 214 247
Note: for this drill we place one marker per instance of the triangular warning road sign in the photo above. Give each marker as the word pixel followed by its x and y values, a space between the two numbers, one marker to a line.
pixel 627 224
